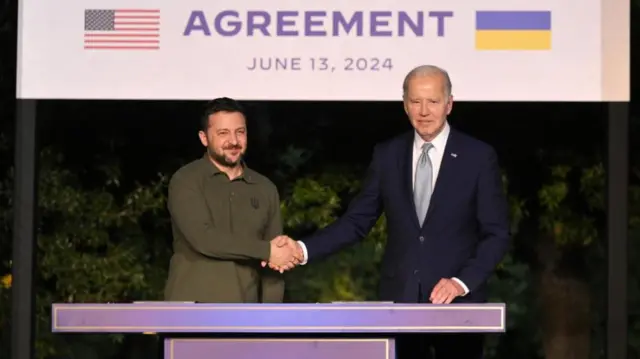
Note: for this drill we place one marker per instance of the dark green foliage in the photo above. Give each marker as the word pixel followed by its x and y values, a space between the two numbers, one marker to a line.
pixel 100 242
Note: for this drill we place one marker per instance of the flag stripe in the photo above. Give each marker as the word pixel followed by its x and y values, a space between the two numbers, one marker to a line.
pixel 88 47
pixel 122 42
pixel 138 10
pixel 120 35
pixel 137 23
pixel 513 40
pixel 151 17
pixel 129 28
pixel 513 20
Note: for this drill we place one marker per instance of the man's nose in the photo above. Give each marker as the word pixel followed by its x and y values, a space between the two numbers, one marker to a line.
pixel 424 110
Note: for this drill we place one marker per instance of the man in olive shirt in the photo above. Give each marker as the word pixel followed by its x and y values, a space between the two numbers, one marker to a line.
pixel 225 219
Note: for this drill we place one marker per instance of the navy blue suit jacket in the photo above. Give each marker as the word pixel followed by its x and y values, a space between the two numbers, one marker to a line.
pixel 465 233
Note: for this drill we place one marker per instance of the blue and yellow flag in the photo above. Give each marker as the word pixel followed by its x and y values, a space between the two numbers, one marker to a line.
pixel 513 30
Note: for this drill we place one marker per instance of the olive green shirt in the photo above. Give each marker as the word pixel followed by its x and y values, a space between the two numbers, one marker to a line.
pixel 222 230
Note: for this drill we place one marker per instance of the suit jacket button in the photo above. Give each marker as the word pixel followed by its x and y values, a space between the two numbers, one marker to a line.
pixel 416 271
pixel 421 238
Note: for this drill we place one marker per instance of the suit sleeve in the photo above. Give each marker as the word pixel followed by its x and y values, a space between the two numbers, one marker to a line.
pixel 360 217
pixel 493 220
pixel 273 281
pixel 190 214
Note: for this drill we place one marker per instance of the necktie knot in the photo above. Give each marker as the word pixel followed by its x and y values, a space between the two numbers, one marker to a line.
pixel 425 151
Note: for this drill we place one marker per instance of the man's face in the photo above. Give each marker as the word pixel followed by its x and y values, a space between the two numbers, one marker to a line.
pixel 427 104
pixel 226 138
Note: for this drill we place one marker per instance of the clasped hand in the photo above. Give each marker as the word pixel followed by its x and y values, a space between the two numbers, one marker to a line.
pixel 285 254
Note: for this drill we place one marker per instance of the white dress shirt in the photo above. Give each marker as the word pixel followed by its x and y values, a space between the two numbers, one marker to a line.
pixel 435 154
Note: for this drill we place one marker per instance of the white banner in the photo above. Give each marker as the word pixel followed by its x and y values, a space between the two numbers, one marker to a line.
pixel 494 50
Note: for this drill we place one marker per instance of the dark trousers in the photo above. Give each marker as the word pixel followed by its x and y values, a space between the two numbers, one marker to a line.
pixel 439 345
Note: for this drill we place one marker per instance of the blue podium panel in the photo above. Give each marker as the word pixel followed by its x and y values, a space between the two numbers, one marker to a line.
pixel 284 348
pixel 282 331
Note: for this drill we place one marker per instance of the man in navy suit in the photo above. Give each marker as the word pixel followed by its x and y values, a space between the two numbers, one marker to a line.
pixel 447 214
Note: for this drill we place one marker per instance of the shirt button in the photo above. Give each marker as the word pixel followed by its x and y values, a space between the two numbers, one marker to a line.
pixel 421 238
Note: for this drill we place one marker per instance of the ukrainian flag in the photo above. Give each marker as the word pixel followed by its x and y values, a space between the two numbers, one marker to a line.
pixel 513 30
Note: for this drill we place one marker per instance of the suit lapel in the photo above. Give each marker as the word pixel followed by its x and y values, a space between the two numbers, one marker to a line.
pixel 406 173
pixel 446 175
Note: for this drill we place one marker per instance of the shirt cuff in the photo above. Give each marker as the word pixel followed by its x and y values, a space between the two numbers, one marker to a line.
pixel 466 290
pixel 304 253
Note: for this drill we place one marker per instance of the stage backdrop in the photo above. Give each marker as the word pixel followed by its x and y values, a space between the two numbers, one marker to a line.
pixel 494 50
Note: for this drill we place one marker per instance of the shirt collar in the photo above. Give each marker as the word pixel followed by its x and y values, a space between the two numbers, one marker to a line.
pixel 212 170
pixel 438 142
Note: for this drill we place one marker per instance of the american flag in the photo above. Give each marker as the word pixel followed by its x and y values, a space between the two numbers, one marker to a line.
pixel 122 29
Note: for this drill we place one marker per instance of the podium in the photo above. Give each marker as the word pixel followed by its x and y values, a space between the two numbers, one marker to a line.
pixel 283 331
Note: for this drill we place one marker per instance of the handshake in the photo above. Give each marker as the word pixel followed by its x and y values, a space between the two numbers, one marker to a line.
pixel 285 254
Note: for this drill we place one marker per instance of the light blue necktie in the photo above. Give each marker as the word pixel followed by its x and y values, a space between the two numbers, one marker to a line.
pixel 423 183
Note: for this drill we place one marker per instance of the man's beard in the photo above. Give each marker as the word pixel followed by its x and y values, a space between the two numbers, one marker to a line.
pixel 224 160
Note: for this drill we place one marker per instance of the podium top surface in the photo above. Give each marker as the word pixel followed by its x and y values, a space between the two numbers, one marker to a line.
pixel 343 317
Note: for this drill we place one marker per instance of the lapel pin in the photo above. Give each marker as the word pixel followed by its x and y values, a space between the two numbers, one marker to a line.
pixel 454 155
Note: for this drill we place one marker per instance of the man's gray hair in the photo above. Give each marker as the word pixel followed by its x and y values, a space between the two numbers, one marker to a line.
pixel 426 70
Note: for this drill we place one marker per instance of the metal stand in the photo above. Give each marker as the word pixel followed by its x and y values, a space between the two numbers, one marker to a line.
pixel 617 229
pixel 24 236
